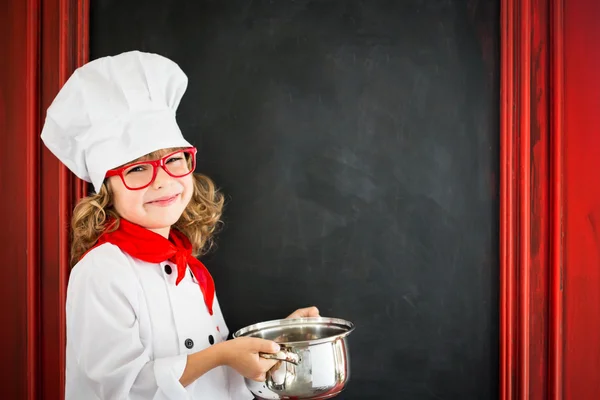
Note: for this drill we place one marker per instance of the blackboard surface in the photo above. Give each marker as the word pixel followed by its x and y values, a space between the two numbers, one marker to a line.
pixel 357 142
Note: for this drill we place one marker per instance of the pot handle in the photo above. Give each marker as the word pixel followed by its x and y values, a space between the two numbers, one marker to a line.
pixel 282 355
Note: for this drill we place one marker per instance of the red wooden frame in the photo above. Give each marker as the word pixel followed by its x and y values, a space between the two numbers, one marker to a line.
pixel 531 209
pixel 47 40
pixel 43 42
pixel 64 47
pixel 19 42
pixel 582 199
pixel 557 244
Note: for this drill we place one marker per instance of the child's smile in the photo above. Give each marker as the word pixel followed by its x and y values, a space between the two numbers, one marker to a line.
pixel 164 201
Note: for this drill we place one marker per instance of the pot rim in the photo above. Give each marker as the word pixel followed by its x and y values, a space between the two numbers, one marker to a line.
pixel 338 322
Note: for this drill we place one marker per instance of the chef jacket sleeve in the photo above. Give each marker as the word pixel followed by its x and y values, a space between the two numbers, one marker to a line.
pixel 103 333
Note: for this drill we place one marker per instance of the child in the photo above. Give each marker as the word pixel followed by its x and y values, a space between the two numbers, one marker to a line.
pixel 143 320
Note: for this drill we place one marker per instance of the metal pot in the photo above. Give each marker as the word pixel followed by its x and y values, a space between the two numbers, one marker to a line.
pixel 314 361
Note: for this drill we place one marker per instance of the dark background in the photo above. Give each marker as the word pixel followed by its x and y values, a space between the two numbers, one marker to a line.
pixel 357 143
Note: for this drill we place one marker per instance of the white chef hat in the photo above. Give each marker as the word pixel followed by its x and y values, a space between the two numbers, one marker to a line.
pixel 113 110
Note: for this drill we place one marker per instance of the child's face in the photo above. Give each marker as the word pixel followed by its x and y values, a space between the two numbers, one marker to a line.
pixel 156 207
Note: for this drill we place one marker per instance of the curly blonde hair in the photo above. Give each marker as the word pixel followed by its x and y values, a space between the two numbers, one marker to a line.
pixel 200 220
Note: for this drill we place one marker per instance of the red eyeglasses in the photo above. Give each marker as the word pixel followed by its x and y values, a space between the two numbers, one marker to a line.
pixel 140 175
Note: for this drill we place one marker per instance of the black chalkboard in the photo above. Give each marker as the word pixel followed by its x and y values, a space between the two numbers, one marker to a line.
pixel 357 142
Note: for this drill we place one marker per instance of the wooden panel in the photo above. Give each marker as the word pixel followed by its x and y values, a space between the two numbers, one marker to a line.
pixel 582 194
pixel 44 42
pixel 531 202
pixel 63 48
pixel 18 215
pixel 557 205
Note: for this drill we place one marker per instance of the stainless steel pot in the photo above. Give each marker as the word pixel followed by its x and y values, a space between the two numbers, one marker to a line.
pixel 314 361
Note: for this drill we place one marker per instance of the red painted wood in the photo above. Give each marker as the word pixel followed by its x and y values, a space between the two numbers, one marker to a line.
pixel 530 207
pixel 507 206
pixel 523 199
pixel 582 198
pixel 556 289
pixel 18 128
pixel 32 200
pixel 62 50
pixel 52 236
pixel 539 183
pixel 44 42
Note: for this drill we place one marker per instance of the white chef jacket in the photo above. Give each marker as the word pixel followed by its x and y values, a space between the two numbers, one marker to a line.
pixel 130 329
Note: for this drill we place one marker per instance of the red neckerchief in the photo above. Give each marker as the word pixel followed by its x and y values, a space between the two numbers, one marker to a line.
pixel 151 247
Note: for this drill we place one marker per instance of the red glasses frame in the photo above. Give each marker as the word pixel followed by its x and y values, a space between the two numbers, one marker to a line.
pixel 155 164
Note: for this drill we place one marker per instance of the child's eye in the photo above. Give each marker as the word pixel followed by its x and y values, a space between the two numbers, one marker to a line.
pixel 138 168
pixel 175 158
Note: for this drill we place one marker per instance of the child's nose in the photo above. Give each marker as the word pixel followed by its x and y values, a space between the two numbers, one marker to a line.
pixel 161 178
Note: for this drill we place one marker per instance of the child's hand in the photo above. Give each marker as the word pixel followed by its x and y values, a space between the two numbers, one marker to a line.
pixel 241 354
pixel 304 313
